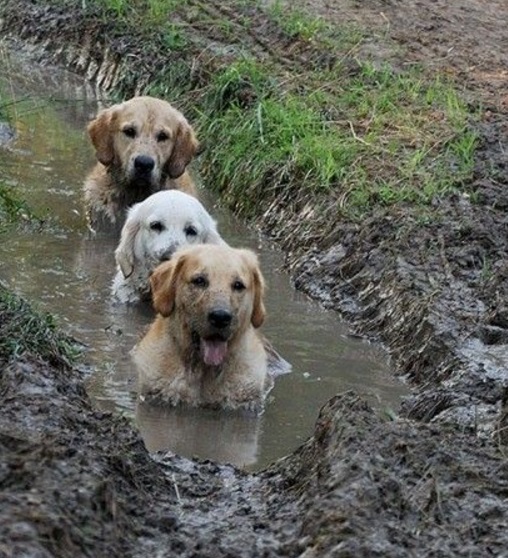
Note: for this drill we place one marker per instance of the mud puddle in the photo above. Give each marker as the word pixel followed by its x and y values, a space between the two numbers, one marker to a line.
pixel 69 275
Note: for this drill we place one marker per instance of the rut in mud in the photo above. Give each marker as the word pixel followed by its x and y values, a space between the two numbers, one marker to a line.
pixel 433 291
pixel 77 482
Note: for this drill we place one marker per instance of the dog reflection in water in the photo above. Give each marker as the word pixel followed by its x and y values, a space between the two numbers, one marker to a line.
pixel 225 437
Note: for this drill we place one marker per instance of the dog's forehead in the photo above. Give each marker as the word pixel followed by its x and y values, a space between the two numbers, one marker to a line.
pixel 147 115
pixel 217 264
pixel 174 223
pixel 172 214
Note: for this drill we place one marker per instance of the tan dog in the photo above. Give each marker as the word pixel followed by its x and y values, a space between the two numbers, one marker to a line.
pixel 142 145
pixel 204 347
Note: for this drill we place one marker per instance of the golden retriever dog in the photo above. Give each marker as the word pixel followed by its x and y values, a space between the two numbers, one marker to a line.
pixel 153 231
pixel 142 145
pixel 204 347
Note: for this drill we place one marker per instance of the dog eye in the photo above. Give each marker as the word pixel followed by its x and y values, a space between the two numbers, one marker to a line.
pixel 162 136
pixel 157 226
pixel 200 281
pixel 130 131
pixel 238 285
pixel 191 231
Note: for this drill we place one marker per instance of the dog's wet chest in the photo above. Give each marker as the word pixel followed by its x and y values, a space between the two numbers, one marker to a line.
pixel 133 188
pixel 204 383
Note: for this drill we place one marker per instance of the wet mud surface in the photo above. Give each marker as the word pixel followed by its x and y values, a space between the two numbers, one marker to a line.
pixel 78 482
pixel 433 482
pixel 435 291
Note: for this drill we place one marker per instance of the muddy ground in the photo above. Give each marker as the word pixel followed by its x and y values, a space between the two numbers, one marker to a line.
pixel 431 483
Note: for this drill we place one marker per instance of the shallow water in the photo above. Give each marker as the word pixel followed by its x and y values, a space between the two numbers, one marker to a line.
pixel 68 274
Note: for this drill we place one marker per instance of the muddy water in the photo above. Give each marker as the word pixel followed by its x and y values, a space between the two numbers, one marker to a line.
pixel 69 274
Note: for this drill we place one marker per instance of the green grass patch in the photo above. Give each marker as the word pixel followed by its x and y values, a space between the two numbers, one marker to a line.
pixel 297 23
pixel 13 210
pixel 25 330
pixel 149 14
pixel 380 137
pixel 309 121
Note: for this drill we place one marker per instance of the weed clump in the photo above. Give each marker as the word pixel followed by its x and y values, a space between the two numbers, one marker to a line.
pixel 24 330
pixel 379 138
pixel 13 210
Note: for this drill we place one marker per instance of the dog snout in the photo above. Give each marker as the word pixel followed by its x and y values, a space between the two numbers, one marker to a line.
pixel 144 164
pixel 167 254
pixel 220 318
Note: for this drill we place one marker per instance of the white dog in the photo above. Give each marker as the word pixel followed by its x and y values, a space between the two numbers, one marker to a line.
pixel 154 229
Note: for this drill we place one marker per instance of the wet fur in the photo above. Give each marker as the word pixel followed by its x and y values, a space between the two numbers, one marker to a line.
pixel 142 246
pixel 142 126
pixel 168 358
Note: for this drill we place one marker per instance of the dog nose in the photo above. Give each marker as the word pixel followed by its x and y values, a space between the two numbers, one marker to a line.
pixel 143 163
pixel 220 318
pixel 167 254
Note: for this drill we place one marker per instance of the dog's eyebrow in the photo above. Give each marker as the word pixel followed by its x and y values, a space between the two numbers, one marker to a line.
pixel 127 125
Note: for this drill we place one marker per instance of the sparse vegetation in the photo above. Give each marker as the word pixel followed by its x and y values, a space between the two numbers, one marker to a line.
pixel 12 208
pixel 377 138
pixel 25 330
pixel 295 23
pixel 350 134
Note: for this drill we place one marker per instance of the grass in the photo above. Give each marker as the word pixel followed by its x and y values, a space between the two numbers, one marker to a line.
pixel 149 14
pixel 296 23
pixel 13 209
pixel 371 137
pixel 379 138
pixel 152 12
pixel 24 330
pixel 336 130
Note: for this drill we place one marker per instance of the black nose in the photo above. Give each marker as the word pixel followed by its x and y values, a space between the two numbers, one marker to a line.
pixel 144 164
pixel 167 254
pixel 220 318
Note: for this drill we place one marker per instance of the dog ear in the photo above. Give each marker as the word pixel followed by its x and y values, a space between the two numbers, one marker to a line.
pixel 100 132
pixel 163 283
pixel 124 254
pixel 258 307
pixel 259 312
pixel 184 149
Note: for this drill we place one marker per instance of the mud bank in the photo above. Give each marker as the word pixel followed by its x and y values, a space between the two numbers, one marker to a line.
pixel 76 482
pixel 433 291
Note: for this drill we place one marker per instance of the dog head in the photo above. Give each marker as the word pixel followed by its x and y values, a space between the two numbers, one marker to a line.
pixel 214 292
pixel 158 226
pixel 145 140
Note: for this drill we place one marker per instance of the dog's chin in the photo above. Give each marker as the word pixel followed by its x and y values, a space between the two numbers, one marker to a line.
pixel 213 349
pixel 144 181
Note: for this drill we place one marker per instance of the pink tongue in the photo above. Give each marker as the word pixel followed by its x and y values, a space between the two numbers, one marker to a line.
pixel 213 351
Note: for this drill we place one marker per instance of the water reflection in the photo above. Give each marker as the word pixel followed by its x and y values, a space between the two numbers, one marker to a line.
pixel 227 437
pixel 70 275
